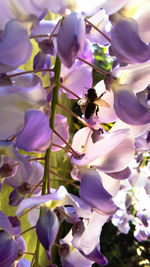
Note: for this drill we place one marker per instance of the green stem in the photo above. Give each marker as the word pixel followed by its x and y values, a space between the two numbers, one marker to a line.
pixel 37 250
pixel 57 69
pixel 29 229
pixel 46 167
pixel 29 71
pixel 54 103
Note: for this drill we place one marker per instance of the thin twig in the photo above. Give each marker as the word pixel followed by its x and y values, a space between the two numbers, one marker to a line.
pixel 51 35
pixel 26 72
pixel 28 253
pixel 47 170
pixel 66 215
pixel 65 88
pixel 104 35
pixel 70 147
pixel 29 229
pixel 65 179
pixel 76 116
pixel 32 159
pixel 32 262
pixel 67 150
pixel 93 66
pixel 35 188
pixel 26 212
pixel 57 245
pixel 42 36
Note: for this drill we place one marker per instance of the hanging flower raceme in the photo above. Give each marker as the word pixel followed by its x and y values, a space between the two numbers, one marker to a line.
pixel 116 113
pixel 133 202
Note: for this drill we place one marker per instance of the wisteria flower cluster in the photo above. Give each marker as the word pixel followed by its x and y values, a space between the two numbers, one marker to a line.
pixel 113 130
pixel 133 200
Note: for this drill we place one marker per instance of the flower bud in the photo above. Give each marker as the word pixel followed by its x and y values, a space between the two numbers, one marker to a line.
pixel 71 38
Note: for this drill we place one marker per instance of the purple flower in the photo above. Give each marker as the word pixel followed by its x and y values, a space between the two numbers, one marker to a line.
pixel 9 245
pixel 35 136
pixel 127 44
pixel 8 249
pixel 81 207
pixel 111 153
pixel 61 127
pixel 15 46
pixel 101 21
pixel 77 79
pixel 23 263
pixel 26 11
pixel 25 92
pixel 96 256
pixel 47 228
pixel 71 38
pixel 120 175
pixel 136 75
pixel 27 175
pixel 92 191
pixel 127 106
pixel 41 61
pixel 10 224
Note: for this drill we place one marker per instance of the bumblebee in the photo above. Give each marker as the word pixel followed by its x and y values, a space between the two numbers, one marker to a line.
pixel 90 104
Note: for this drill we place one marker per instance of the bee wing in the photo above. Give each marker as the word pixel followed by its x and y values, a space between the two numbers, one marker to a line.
pixel 102 103
pixel 82 101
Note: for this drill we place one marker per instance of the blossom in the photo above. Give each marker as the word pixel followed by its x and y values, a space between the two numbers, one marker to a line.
pixel 15 46
pixel 35 136
pixel 71 38
pixel 77 79
pixel 81 207
pixel 105 151
pixel 9 245
pixel 28 173
pixel 131 50
pixel 47 228
pixel 133 202
pixel 107 185
pixel 21 94
pixel 127 106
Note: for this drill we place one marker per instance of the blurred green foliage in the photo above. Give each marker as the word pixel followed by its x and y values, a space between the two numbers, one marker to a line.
pixel 123 250
pixel 101 60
